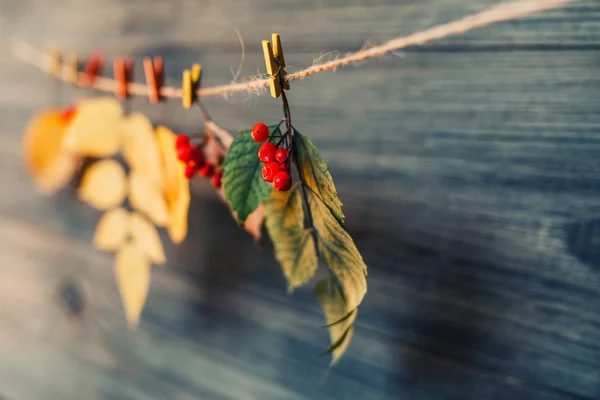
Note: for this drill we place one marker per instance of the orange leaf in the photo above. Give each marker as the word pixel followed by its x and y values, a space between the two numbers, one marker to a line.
pixel 132 272
pixel 112 230
pixel 146 196
pixel 103 185
pixel 146 238
pixel 176 186
pixel 140 147
pixel 47 162
pixel 95 130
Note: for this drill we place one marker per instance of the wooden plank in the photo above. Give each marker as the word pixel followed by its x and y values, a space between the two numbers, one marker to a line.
pixel 323 25
pixel 468 174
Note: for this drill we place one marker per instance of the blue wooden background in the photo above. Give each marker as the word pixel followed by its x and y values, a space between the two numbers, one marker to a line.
pixel 469 169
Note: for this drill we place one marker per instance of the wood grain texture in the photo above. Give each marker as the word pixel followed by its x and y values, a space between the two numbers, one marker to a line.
pixel 468 170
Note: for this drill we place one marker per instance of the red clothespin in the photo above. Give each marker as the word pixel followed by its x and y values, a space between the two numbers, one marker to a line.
pixel 123 69
pixel 93 68
pixel 154 71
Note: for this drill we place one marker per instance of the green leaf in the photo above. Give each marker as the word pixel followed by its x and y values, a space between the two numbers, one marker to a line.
pixel 243 184
pixel 294 245
pixel 338 315
pixel 316 175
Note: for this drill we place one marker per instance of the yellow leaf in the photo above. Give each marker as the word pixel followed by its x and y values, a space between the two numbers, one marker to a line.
pixel 95 131
pixel 147 197
pixel 176 186
pixel 132 272
pixel 146 238
pixel 140 148
pixel 50 166
pixel 103 185
pixel 112 230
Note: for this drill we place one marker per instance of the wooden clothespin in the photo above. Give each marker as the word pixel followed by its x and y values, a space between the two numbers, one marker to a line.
pixel 73 69
pixel 93 68
pixel 56 58
pixel 123 69
pixel 191 82
pixel 155 76
pixel 275 63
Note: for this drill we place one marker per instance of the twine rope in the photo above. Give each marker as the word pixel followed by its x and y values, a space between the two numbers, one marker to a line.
pixel 499 13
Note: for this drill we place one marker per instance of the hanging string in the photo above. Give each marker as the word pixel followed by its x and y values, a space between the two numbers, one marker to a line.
pixel 499 13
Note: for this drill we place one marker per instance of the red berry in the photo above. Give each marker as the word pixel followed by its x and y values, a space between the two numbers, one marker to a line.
pixel 282 181
pixel 281 155
pixel 197 158
pixel 182 141
pixel 190 171
pixel 269 170
pixel 285 166
pixel 266 153
pixel 67 114
pixel 184 154
pixel 216 179
pixel 260 132
pixel 207 170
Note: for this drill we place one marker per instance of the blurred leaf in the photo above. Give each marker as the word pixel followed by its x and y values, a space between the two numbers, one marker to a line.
pixel 176 186
pixel 95 130
pixel 112 230
pixel 338 315
pixel 50 166
pixel 316 175
pixel 132 272
pixel 146 238
pixel 146 196
pixel 243 184
pixel 103 185
pixel 140 147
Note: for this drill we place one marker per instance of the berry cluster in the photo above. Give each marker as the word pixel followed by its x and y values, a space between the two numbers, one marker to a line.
pixel 276 159
pixel 194 161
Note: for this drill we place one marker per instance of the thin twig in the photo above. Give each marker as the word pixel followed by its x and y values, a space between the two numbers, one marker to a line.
pixel 499 13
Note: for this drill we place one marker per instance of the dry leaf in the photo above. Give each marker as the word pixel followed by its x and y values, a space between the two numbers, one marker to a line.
pixel 103 185
pixel 112 230
pixel 146 196
pixel 132 272
pixel 254 222
pixel 146 238
pixel 140 148
pixel 48 163
pixel 176 186
pixel 95 131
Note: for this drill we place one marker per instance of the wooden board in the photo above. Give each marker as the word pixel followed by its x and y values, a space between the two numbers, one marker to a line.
pixel 468 170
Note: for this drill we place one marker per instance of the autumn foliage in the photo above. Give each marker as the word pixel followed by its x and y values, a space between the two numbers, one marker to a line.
pixel 136 177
